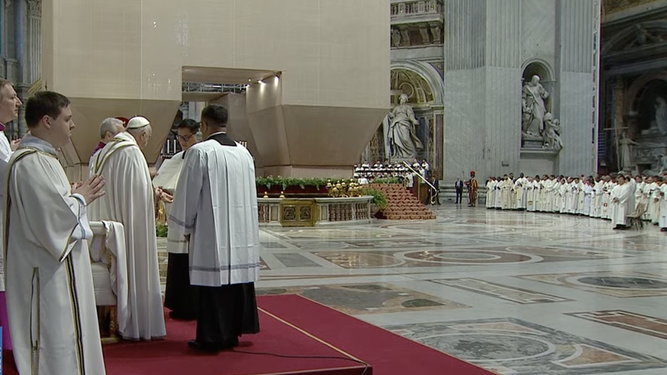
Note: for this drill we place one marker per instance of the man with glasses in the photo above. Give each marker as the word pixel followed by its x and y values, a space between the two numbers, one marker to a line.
pixel 179 295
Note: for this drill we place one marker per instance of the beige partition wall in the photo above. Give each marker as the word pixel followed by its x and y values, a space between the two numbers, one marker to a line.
pixel 127 57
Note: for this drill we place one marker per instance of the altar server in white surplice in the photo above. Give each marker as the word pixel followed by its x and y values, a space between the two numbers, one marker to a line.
pixel 50 297
pixel 130 201
pixel 215 209
pixel 621 200
pixel 179 295
pixel 662 220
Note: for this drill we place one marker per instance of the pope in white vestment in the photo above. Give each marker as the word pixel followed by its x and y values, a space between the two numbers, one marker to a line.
pixel 215 209
pixel 50 298
pixel 130 201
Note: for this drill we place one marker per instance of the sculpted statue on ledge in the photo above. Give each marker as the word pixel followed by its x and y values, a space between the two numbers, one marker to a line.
pixel 538 127
pixel 402 139
pixel 533 103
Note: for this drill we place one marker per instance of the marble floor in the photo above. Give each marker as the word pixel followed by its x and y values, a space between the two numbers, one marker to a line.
pixel 514 292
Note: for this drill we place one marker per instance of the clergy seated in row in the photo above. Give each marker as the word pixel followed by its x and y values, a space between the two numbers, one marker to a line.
pixel 49 279
pixel 9 111
pixel 215 210
pixel 129 200
pixel 179 297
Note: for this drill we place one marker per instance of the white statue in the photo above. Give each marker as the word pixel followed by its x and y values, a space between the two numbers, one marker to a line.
pixel 625 152
pixel 660 121
pixel 551 133
pixel 533 103
pixel 402 140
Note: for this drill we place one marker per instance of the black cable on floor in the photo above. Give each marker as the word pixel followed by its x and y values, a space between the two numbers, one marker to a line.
pixel 366 365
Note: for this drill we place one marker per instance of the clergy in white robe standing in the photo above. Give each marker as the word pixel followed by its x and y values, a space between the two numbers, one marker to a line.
pixel 621 199
pixel 662 220
pixel 50 297
pixel 130 201
pixel 179 295
pixel 215 209
pixel 9 111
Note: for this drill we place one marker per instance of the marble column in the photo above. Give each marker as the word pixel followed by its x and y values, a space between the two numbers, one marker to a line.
pixel 34 40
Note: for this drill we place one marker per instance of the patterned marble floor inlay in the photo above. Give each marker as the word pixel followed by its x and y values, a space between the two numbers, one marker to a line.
pixel 627 320
pixel 615 284
pixel 513 346
pixel 367 298
pixel 485 285
pixel 508 293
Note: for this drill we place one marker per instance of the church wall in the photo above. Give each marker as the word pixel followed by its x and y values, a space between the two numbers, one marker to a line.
pixel 464 88
pixel 487 45
pixel 332 54
pixel 503 88
pixel 576 87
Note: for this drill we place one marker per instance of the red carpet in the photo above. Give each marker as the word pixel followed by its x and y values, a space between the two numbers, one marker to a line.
pixel 293 326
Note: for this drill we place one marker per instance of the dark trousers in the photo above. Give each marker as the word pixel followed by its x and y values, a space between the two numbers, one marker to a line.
pixel 179 296
pixel 225 313
pixel 459 196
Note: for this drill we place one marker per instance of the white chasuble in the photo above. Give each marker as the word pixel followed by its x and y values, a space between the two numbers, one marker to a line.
pixel 129 200
pixel 167 179
pixel 620 203
pixel 50 297
pixel 216 204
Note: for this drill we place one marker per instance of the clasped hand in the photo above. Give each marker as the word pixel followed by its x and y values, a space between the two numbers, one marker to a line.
pixel 90 190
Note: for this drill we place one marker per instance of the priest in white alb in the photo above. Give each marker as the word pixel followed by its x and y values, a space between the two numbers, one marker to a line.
pixel 179 295
pixel 50 298
pixel 621 199
pixel 215 209
pixel 130 201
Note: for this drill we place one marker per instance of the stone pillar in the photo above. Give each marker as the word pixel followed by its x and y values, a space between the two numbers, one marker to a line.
pixel 20 84
pixel 34 41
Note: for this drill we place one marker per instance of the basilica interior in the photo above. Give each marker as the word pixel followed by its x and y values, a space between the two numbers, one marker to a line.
pixel 385 91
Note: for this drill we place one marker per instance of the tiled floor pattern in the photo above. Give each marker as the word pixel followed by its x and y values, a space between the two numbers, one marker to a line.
pixel 514 292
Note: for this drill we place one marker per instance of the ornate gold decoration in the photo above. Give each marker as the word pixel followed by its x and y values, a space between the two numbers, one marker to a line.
pixel 298 213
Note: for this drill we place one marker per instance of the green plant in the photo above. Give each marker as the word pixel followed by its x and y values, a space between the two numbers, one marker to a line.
pixel 388 180
pixel 161 230
pixel 285 182
pixel 379 199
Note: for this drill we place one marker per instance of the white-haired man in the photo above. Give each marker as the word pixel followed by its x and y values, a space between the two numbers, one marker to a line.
pixel 9 111
pixel 109 128
pixel 130 201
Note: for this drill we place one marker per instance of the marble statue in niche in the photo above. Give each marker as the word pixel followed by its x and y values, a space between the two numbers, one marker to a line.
pixel 625 151
pixel 533 103
pixel 551 133
pixel 659 122
pixel 401 136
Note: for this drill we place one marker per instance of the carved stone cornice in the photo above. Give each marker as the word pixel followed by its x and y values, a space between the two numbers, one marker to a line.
pixel 35 8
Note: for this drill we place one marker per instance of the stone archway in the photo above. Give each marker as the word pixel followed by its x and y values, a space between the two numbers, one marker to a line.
pixel 645 112
pixel 424 87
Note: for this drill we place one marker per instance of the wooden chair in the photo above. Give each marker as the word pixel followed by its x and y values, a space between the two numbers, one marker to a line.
pixel 635 219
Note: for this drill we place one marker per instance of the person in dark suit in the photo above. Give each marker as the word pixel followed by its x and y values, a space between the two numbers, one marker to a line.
pixel 458 185
pixel 434 194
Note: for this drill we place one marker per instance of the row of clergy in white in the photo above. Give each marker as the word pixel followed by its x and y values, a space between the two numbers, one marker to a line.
pixel 582 196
